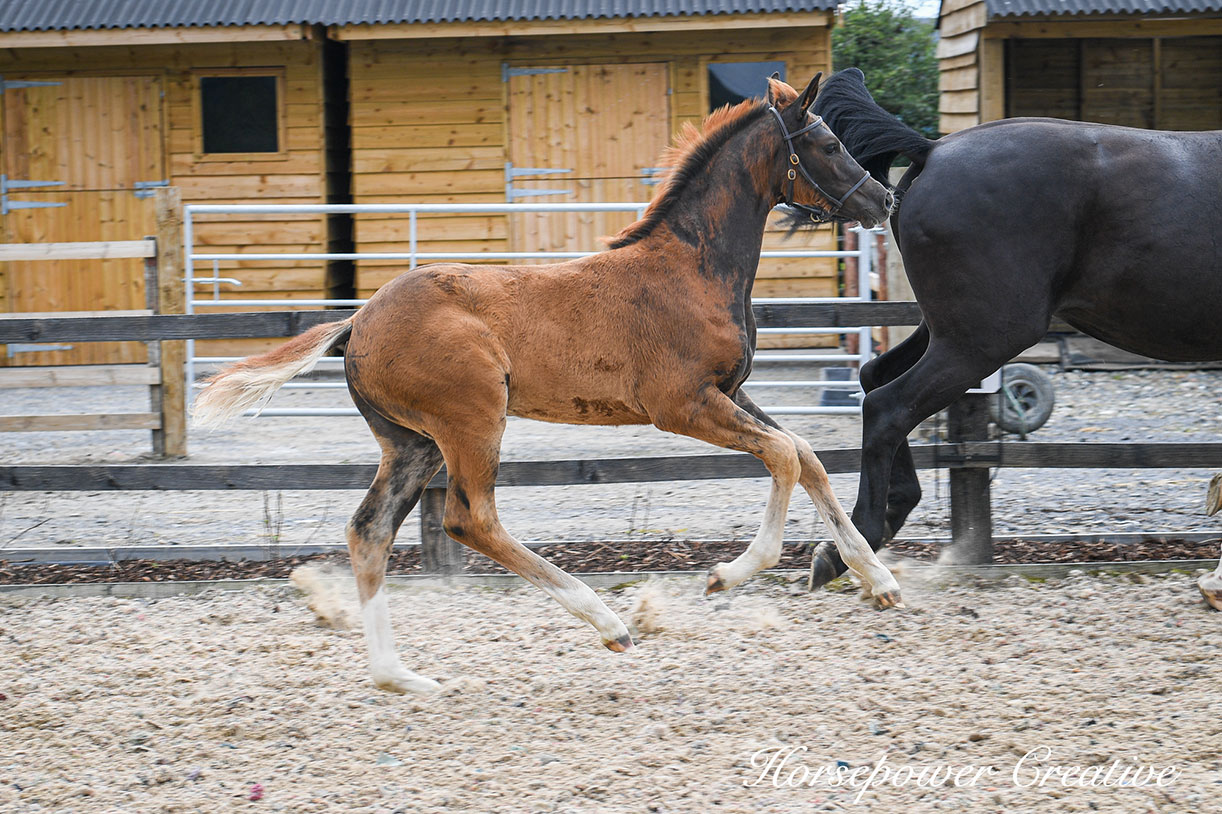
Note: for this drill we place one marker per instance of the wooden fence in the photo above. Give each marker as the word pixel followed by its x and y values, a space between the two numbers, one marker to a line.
pixel 163 263
pixel 968 455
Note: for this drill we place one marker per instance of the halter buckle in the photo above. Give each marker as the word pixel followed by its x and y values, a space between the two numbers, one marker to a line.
pixel 793 174
pixel 793 158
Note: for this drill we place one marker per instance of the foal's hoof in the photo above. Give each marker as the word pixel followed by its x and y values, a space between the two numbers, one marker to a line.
pixel 821 570
pixel 715 582
pixel 406 682
pixel 621 645
pixel 889 599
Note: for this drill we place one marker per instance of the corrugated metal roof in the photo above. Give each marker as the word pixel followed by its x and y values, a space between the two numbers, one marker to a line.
pixel 1044 8
pixel 51 15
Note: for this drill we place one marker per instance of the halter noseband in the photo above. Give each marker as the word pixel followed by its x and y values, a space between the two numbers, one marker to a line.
pixel 816 215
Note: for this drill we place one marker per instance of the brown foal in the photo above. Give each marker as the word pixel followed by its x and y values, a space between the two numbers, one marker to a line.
pixel 656 330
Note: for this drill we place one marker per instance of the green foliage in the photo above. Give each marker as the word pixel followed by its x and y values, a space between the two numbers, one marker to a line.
pixel 896 53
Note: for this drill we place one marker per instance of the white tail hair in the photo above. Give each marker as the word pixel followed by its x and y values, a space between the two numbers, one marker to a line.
pixel 253 380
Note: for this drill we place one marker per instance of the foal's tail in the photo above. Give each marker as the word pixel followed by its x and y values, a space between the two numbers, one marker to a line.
pixel 253 380
pixel 871 135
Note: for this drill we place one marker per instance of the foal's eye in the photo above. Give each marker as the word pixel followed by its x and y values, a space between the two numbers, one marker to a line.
pixel 831 149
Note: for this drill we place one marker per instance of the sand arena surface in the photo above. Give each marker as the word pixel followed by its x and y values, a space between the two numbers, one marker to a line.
pixel 184 704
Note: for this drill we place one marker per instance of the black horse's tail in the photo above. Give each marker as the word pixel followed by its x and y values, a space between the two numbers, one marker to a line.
pixel 871 135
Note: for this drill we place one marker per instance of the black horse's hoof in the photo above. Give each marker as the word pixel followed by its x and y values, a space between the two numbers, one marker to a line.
pixel 821 570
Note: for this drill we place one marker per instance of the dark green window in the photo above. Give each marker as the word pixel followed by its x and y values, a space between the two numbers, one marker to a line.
pixel 732 82
pixel 240 114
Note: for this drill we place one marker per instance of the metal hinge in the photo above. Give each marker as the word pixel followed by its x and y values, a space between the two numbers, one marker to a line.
pixel 144 189
pixel 5 84
pixel 33 348
pixel 507 71
pixel 652 175
pixel 512 172
pixel 7 185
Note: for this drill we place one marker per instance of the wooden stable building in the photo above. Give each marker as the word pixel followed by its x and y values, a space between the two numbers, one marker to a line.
pixel 471 111
pixel 94 119
pixel 1140 63
pixel 286 102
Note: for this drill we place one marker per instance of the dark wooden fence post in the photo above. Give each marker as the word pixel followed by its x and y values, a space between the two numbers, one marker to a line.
pixel 171 442
pixel 971 511
pixel 439 554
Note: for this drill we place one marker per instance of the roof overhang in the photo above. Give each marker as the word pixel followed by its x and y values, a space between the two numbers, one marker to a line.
pixel 622 25
pixel 76 38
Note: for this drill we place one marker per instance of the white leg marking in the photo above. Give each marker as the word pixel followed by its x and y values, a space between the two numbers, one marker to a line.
pixel 765 549
pixel 388 672
pixel 580 600
pixel 876 579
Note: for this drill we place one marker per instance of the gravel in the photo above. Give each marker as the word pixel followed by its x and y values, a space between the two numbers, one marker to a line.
pixel 205 703
pixel 1097 406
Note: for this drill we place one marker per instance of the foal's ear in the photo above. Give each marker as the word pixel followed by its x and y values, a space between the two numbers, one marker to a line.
pixel 808 95
pixel 780 94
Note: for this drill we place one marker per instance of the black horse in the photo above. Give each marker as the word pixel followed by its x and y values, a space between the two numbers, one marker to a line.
pixel 1115 230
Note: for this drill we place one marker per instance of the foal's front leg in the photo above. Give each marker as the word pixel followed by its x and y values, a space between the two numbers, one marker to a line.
pixel 877 582
pixel 715 418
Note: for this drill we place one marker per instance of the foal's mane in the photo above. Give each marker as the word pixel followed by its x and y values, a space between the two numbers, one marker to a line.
pixel 691 151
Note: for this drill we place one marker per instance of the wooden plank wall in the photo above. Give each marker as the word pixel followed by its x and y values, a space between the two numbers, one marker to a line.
pixel 296 175
pixel 1166 83
pixel 429 124
pixel 960 64
pixel 1118 69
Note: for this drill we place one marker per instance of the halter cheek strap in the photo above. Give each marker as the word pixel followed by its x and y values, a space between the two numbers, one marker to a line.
pixel 817 215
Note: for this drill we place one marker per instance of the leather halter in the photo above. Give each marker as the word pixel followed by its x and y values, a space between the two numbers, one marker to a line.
pixel 817 215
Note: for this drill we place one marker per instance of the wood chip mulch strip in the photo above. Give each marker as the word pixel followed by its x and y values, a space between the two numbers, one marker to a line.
pixel 674 555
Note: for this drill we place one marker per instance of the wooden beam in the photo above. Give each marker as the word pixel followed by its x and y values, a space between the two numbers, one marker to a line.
pixel 1182 27
pixel 65 423
pixel 153 36
pixel 170 298
pixel 59 328
pixel 94 250
pixel 259 324
pixel 971 511
pixel 992 80
pixel 32 315
pixel 78 376
pixel 528 28
pixel 954 22
pixel 439 553
pixel 958 46
pixel 973 454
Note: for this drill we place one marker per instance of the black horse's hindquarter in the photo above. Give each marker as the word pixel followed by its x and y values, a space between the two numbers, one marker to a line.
pixel 1116 230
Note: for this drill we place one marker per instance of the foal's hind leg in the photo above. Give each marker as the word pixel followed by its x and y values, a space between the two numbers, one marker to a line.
pixel 877 582
pixel 472 455
pixel 409 461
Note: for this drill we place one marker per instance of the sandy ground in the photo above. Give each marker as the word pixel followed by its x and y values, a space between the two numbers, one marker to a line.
pixel 184 704
pixel 1140 406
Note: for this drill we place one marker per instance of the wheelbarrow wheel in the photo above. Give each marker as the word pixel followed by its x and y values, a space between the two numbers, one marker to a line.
pixel 1025 401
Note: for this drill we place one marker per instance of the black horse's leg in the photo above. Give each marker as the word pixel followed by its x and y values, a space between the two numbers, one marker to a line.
pixel 890 412
pixel 905 489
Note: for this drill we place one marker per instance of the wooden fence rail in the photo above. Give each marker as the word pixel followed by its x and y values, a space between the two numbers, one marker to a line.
pixel 163 256
pixel 290 323
pixel 440 554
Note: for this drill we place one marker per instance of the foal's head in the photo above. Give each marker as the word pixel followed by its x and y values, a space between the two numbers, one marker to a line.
pixel 814 173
